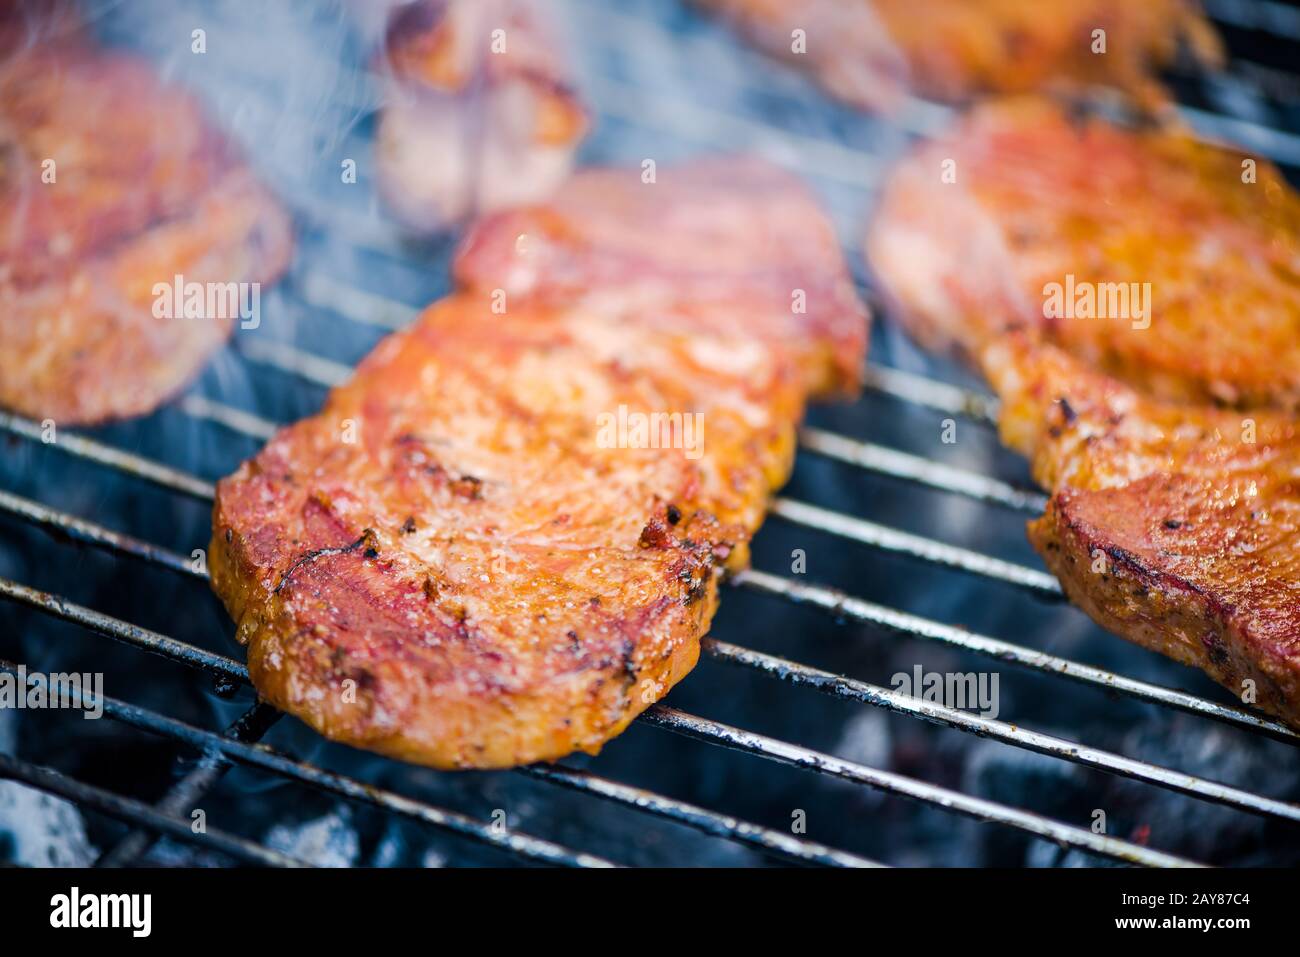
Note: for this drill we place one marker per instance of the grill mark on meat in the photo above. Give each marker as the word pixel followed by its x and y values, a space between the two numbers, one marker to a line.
pixel 311 556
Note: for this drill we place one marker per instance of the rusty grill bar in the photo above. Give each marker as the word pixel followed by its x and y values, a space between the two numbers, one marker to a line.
pixel 237 744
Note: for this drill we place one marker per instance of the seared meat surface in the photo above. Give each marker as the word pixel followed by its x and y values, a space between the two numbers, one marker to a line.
pixel 691 250
pixel 1175 526
pixel 472 558
pixel 111 183
pixel 480 113
pixel 1189 253
pixel 869 52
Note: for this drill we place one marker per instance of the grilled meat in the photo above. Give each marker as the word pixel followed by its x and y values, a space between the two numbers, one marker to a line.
pixel 1177 264
pixel 480 111
pixel 112 183
pixel 492 585
pixel 471 557
pixel 1172 520
pixel 1175 526
pixel 868 52
pixel 691 250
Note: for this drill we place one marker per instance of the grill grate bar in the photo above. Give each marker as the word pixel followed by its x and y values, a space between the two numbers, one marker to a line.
pixel 304 365
pixel 952 800
pixel 225 670
pixel 931 393
pixel 227 416
pixel 63 525
pixel 1040 584
pixel 185 793
pixel 1218 128
pixel 267 759
pixel 138 813
pixel 738 739
pixel 323 291
pixel 852 689
pixel 915 468
pixel 153 472
pixel 843 605
pixel 709 822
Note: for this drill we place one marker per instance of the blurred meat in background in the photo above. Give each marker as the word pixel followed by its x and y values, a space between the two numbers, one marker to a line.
pixel 113 184
pixel 868 52
pixel 481 110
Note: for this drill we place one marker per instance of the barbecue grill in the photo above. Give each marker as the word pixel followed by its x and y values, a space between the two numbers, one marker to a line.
pixel 911 551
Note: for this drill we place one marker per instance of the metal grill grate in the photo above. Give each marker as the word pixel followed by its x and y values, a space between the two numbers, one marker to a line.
pixel 818 158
